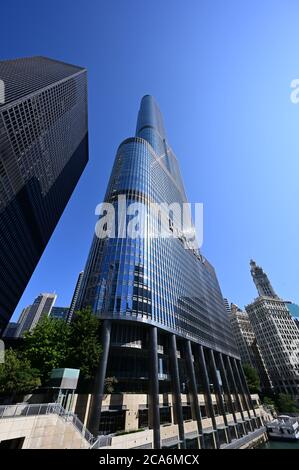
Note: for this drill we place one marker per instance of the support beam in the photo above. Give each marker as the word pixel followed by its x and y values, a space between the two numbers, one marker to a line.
pixel 218 392
pixel 154 387
pixel 206 383
pixel 193 388
pixel 235 368
pixel 227 387
pixel 176 389
pixel 97 398
pixel 235 389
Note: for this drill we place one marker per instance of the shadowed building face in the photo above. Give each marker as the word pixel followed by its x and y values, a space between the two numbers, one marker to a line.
pixel 43 151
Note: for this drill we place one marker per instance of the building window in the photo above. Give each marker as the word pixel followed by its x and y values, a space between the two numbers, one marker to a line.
pixel 165 415
pixel 187 413
pixel 203 411
pixel 209 441
pixel 192 443
pixel 112 421
pixel 143 418
pixel 222 436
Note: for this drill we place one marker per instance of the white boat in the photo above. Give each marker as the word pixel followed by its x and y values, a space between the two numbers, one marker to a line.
pixel 283 428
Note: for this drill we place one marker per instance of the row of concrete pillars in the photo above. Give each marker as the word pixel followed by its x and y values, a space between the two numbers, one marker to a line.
pixel 232 377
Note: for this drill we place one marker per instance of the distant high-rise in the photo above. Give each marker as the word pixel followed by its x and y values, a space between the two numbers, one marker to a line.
pixel 43 151
pixel 247 344
pixel 277 335
pixel 293 309
pixel 166 334
pixel 76 297
pixel 261 281
pixel 11 330
pixel 32 314
pixel 59 313
pixel 227 305
pixel 22 319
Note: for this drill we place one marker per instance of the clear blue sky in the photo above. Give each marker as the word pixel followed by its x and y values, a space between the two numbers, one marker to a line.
pixel 221 72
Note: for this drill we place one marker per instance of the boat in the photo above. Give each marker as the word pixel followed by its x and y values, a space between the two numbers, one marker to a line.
pixel 283 428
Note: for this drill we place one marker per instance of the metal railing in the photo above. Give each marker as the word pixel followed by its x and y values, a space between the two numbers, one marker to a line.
pixel 25 409
pixel 102 441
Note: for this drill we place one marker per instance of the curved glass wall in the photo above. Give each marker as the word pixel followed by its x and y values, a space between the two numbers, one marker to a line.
pixel 148 279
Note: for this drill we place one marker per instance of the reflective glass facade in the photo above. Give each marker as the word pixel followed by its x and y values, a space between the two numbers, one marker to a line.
pixel 43 151
pixel 154 280
pixel 166 338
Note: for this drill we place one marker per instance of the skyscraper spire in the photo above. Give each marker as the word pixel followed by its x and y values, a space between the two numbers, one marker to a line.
pixel 261 281
pixel 149 116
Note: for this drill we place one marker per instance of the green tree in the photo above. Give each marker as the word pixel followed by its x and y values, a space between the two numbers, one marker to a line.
pixel 17 376
pixel 285 404
pixel 109 384
pixel 56 344
pixel 268 401
pixel 47 346
pixel 252 378
pixel 84 349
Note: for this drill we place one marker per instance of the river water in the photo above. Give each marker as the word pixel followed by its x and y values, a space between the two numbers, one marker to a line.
pixel 279 445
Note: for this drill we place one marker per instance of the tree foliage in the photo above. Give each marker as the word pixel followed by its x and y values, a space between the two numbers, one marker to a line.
pixel 47 345
pixel 84 349
pixel 56 344
pixel 286 404
pixel 17 375
pixel 269 402
pixel 110 382
pixel 252 378
pixel 52 344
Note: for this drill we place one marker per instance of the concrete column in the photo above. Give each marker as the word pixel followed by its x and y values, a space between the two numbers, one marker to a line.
pixel 235 368
pixel 97 398
pixel 206 384
pixel 193 387
pixel 218 392
pixel 176 389
pixel 154 387
pixel 227 387
pixel 235 389
pixel 243 378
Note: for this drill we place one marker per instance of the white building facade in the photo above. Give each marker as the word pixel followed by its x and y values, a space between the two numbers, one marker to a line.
pixel 277 337
pixel 247 344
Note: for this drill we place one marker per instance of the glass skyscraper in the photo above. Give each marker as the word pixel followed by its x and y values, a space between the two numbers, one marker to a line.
pixel 166 336
pixel 43 151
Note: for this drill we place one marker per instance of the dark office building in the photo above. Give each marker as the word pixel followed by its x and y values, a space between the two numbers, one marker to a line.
pixel 43 151
pixel 166 336
pixel 59 313
pixel 11 330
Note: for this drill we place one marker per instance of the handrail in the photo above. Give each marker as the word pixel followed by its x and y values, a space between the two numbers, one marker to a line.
pixel 102 441
pixel 25 409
